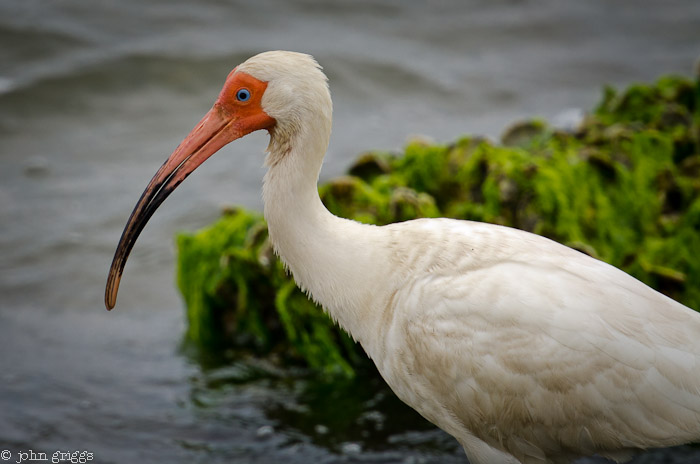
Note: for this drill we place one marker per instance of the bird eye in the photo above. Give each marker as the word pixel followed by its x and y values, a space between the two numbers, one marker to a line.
pixel 243 95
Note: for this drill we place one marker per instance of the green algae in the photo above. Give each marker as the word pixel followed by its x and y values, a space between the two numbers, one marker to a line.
pixel 624 187
pixel 238 295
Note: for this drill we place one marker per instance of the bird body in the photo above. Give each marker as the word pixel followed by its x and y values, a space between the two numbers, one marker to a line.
pixel 510 340
pixel 524 350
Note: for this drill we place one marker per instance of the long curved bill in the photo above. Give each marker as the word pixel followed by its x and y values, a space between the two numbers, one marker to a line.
pixel 214 131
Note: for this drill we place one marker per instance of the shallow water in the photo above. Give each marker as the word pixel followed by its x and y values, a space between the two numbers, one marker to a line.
pixel 95 95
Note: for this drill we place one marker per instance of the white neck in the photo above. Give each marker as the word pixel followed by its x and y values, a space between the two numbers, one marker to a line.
pixel 330 257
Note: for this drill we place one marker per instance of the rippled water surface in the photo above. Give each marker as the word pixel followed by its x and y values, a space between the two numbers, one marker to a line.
pixel 94 96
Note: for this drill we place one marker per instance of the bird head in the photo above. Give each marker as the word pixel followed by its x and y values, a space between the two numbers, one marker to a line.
pixel 274 91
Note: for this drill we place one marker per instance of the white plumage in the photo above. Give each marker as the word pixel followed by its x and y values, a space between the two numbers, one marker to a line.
pixel 507 340
pixel 524 350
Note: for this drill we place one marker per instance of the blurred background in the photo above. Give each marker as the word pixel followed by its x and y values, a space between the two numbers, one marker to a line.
pixel 95 95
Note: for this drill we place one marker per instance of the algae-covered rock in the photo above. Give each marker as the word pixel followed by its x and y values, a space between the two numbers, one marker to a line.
pixel 238 295
pixel 624 188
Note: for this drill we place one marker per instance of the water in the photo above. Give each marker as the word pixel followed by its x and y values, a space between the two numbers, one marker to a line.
pixel 94 96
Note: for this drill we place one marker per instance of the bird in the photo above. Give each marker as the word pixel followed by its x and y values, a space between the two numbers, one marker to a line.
pixel 524 350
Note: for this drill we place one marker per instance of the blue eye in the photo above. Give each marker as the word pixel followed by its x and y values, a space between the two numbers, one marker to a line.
pixel 243 95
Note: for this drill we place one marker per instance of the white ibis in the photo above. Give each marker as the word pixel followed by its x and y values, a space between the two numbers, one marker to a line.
pixel 526 351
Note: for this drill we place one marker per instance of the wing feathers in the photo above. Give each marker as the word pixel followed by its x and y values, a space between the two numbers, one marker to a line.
pixel 544 352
